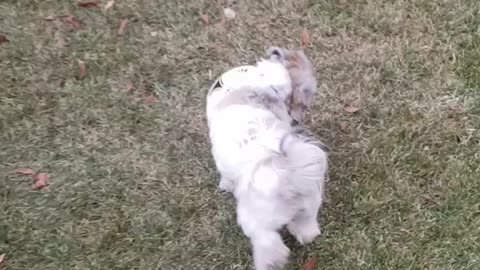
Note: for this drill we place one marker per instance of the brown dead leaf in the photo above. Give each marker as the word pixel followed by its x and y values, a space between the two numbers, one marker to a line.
pixel 343 126
pixel 130 86
pixel 305 38
pixel 456 110
pixel 350 109
pixel 89 4
pixel 205 19
pixel 72 21
pixel 222 21
pixel 150 100
pixel 82 69
pixel 40 180
pixel 59 40
pixel 122 27
pixel 310 264
pixel 2 259
pixel 25 171
pixel 3 39
pixel 109 5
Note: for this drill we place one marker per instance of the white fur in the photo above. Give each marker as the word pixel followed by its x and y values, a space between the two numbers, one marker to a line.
pixel 264 76
pixel 275 172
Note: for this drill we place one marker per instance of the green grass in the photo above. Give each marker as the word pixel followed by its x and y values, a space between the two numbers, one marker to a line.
pixel 133 186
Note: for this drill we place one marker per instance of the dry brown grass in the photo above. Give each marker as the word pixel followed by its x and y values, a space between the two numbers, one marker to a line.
pixel 133 186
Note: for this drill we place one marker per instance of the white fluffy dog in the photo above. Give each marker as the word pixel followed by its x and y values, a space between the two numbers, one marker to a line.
pixel 274 169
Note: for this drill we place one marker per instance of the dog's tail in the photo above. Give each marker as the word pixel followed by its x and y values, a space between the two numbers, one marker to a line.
pixel 306 161
pixel 298 165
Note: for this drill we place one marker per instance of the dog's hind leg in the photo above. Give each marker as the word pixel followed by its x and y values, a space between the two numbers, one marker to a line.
pixel 269 251
pixel 304 226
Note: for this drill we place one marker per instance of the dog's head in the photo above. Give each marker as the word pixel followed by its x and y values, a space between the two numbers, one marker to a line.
pixel 302 75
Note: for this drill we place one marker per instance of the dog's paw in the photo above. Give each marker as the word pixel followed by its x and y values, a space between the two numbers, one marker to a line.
pixel 276 259
pixel 304 233
pixel 226 184
pixel 282 259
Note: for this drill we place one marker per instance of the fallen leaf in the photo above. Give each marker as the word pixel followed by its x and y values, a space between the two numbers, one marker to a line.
pixel 2 259
pixel 229 13
pixel 89 4
pixel 130 86
pixel 205 18
pixel 49 31
pixel 40 180
pixel 122 27
pixel 310 264
pixel 457 110
pixel 72 21
pixel 109 5
pixel 351 109
pixel 150 100
pixel 343 125
pixel 25 171
pixel 59 40
pixel 222 20
pixel 3 39
pixel 305 38
pixel 82 69
pixel 49 18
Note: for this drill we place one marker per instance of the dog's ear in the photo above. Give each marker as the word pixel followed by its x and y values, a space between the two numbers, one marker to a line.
pixel 304 83
pixel 303 95
pixel 275 53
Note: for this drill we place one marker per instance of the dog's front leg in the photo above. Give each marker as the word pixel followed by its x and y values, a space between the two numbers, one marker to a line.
pixel 226 183
pixel 304 225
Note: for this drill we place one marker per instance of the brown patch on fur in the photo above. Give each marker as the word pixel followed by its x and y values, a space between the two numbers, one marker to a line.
pixel 297 68
pixel 292 61
pixel 297 106
pixel 250 97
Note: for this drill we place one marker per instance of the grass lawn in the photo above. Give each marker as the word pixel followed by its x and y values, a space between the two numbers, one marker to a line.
pixel 132 181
